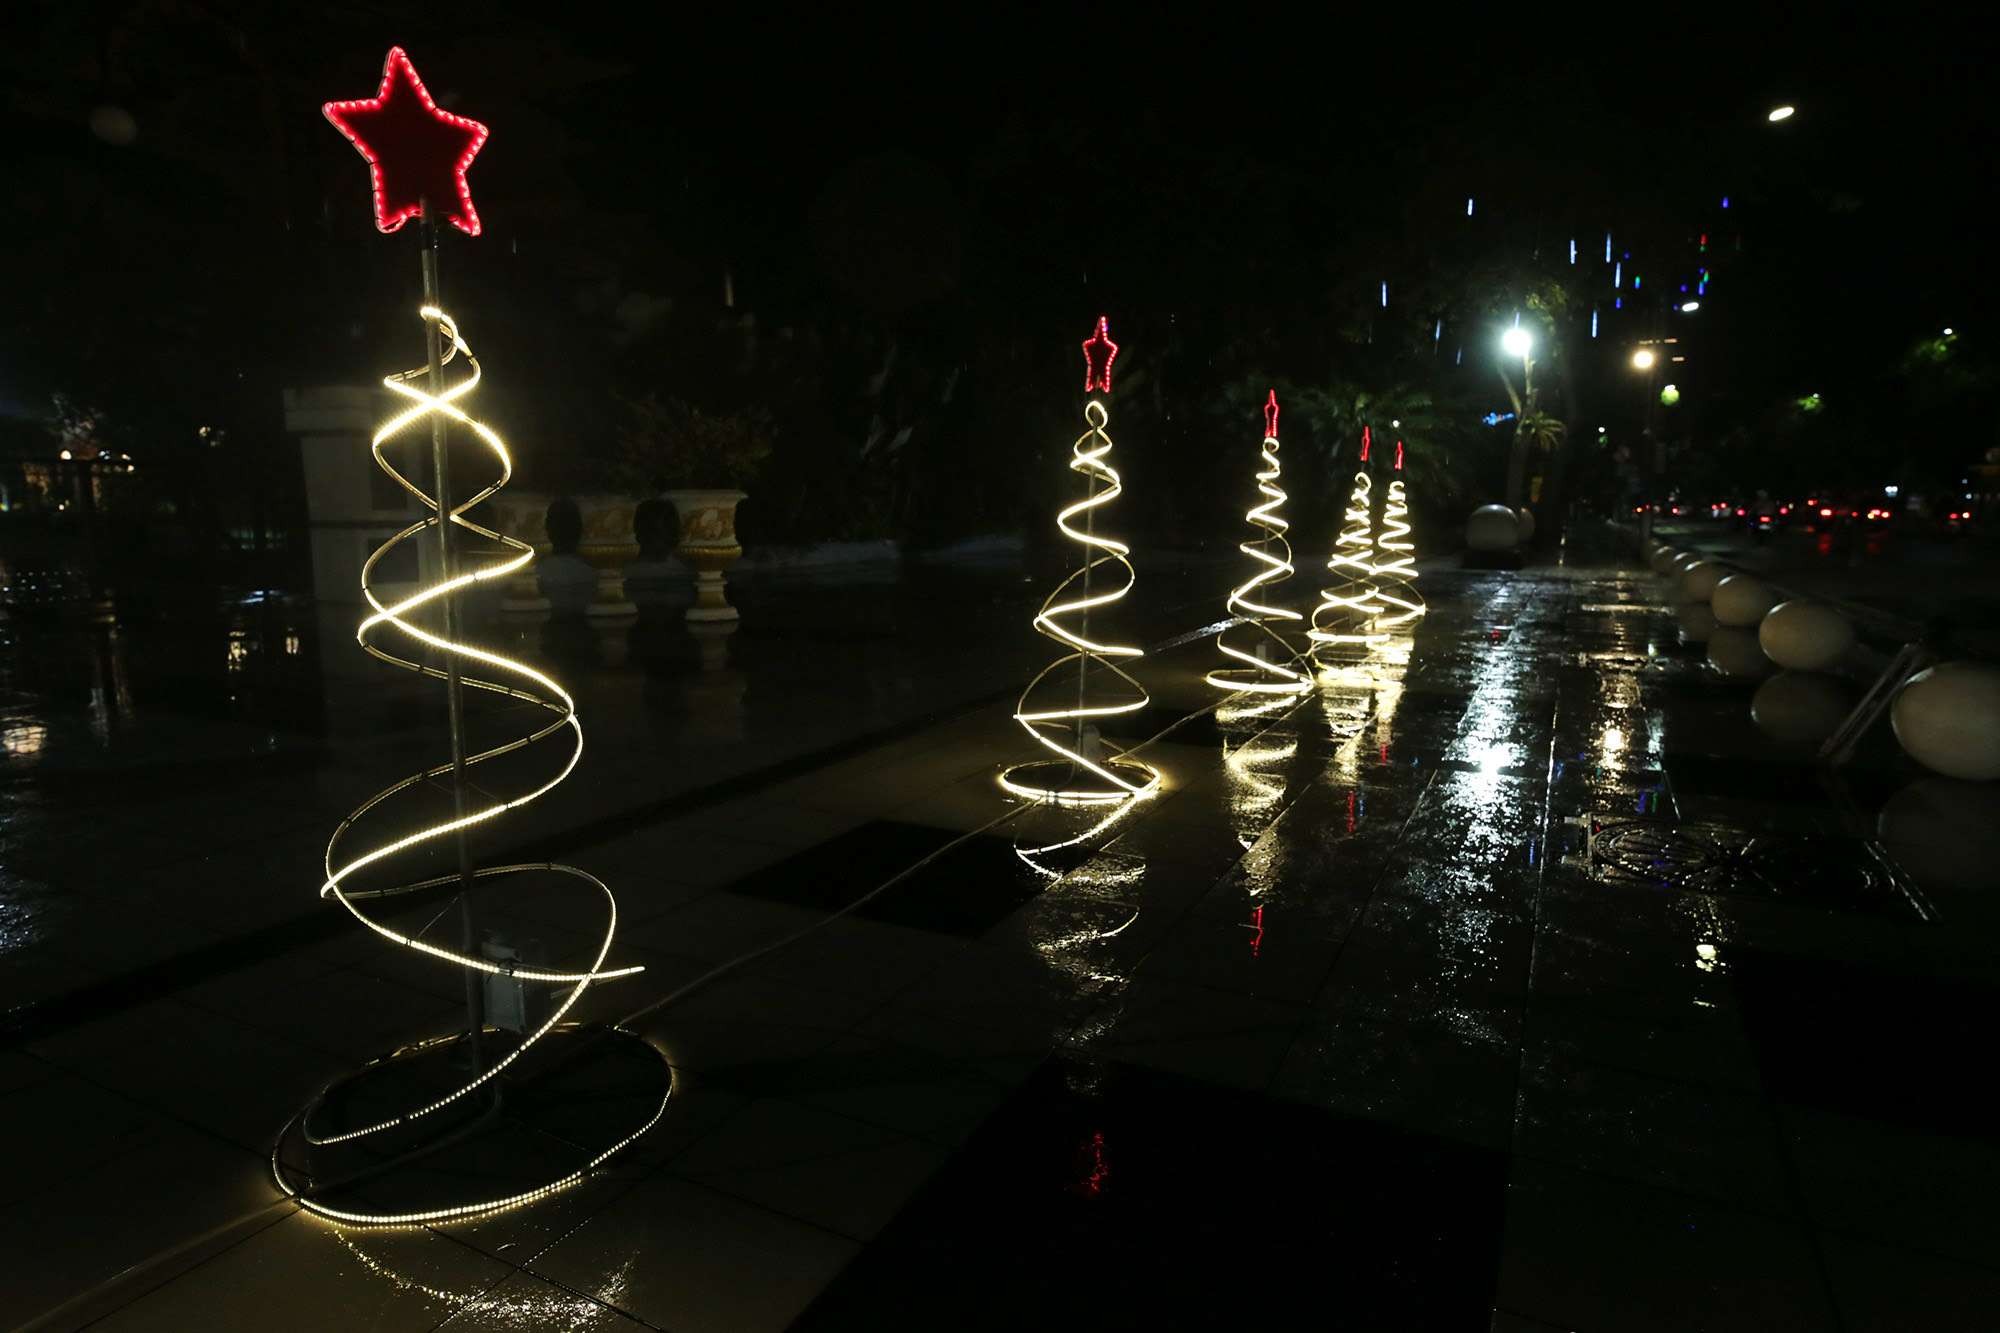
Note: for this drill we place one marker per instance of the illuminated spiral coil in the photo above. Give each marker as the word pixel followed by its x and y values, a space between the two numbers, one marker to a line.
pixel 1344 620
pixel 1267 667
pixel 519 682
pixel 1396 564
pixel 1058 728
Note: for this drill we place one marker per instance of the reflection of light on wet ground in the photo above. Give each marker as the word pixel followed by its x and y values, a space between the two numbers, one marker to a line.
pixel 1034 849
pixel 23 738
pixel 513 1305
pixel 1612 741
pixel 1256 782
pixel 1068 927
pixel 1712 930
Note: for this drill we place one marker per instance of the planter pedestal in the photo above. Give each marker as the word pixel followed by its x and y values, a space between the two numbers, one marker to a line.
pixel 522 515
pixel 708 544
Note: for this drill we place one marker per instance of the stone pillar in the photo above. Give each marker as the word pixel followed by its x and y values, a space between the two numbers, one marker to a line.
pixel 352 506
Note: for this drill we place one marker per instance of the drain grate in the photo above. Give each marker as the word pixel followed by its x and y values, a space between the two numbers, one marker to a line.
pixel 1709 856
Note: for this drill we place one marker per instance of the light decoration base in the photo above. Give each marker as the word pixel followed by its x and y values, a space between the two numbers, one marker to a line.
pixel 1343 624
pixel 1078 771
pixel 1396 559
pixel 1263 660
pixel 450 1095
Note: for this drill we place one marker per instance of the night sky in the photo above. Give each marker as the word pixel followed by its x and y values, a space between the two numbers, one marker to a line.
pixel 1252 172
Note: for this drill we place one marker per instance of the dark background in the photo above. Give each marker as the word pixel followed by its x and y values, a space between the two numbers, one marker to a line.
pixel 881 236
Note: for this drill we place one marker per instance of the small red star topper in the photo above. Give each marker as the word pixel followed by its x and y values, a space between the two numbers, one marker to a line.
pixel 1364 444
pixel 1271 415
pixel 417 152
pixel 1098 354
pixel 1399 455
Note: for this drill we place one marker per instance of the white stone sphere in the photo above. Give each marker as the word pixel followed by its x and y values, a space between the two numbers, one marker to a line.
pixel 1741 600
pixel 1662 557
pixel 1491 528
pixel 1948 719
pixel 1801 707
pixel 1805 636
pixel 1524 523
pixel 1733 651
pixel 1696 620
pixel 1945 833
pixel 1698 580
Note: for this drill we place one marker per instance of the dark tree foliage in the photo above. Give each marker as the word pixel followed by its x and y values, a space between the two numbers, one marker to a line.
pixel 886 239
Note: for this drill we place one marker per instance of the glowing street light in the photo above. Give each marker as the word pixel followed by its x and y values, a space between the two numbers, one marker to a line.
pixel 1779 113
pixel 1517 341
pixel 1643 359
pixel 1689 307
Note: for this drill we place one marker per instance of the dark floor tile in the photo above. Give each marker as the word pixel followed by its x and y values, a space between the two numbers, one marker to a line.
pixel 1689 1136
pixel 1886 1289
pixel 966 891
pixel 1874 1044
pixel 1235 943
pixel 1109 1197
pixel 1685 1042
pixel 1447 1069
pixel 1586 1252
pixel 1895 1184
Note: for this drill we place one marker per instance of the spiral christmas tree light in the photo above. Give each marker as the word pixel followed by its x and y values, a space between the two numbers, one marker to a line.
pixel 1264 661
pixel 1080 773
pixel 1396 558
pixel 1343 624
pixel 395 1110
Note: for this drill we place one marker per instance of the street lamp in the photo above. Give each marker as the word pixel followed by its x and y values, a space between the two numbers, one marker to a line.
pixel 1779 113
pixel 1643 359
pixel 1517 342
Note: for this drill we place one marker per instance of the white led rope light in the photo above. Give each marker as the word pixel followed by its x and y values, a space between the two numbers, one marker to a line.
pixel 1275 671
pixel 1059 729
pixel 1344 619
pixel 527 685
pixel 1396 563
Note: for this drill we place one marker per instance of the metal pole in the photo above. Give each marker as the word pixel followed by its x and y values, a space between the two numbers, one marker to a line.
pixel 1089 562
pixel 475 993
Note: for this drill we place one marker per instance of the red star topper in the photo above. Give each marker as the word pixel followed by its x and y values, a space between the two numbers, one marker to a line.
pixel 1364 444
pixel 1271 415
pixel 1098 354
pixel 417 152
pixel 1399 455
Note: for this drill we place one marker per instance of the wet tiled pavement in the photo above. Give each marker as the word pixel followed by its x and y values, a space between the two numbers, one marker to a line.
pixel 1516 981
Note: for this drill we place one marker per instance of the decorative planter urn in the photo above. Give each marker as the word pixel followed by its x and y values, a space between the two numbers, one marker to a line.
pixel 522 515
pixel 708 544
pixel 608 544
